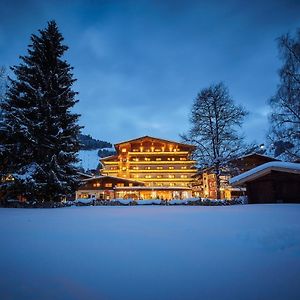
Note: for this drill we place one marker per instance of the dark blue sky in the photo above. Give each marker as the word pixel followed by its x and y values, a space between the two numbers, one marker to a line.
pixel 140 64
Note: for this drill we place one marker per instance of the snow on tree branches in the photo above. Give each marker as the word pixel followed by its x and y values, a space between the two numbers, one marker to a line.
pixel 215 120
pixel 40 132
pixel 285 105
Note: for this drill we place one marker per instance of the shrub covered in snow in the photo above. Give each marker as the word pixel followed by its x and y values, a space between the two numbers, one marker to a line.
pixel 149 202
pixel 121 201
pixel 124 202
pixel 84 201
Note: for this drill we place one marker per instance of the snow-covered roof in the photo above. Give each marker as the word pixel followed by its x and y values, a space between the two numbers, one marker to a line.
pixel 265 169
pixel 256 154
pixel 85 175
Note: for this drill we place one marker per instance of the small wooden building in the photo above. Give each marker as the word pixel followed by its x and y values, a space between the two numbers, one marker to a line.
pixel 273 182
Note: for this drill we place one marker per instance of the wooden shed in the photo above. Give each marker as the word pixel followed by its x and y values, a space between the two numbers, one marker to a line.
pixel 273 182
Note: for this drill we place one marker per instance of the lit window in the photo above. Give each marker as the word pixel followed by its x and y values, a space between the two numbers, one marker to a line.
pixel 157 150
pixel 124 169
pixel 158 176
pixel 183 176
pixel 135 168
pixel 124 150
pixel 135 150
pixel 159 168
pixel 182 158
pixel 171 176
pixel 135 159
pixel 130 184
pixel 98 184
pixel 158 158
pixel 120 184
pixel 147 168
pixel 183 167
pixel 147 158
pixel 108 184
pixel 148 176
pixel 171 168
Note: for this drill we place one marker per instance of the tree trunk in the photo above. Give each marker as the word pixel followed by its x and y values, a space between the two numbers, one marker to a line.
pixel 218 181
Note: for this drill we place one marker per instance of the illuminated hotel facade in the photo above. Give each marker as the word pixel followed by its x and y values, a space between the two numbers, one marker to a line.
pixel 164 168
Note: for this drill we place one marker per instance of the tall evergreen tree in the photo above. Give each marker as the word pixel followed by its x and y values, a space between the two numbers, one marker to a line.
pixel 40 131
pixel 2 82
pixel 214 123
pixel 285 105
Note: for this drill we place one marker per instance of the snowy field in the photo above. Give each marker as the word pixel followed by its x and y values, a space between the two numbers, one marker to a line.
pixel 156 252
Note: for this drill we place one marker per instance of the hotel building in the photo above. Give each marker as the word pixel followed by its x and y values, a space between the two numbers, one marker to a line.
pixel 164 168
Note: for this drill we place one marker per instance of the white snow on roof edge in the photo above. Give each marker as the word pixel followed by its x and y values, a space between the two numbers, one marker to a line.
pixel 265 169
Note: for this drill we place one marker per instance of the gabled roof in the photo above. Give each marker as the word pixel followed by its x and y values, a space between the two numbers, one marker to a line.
pixel 84 175
pixel 154 138
pixel 109 157
pixel 255 154
pixel 265 169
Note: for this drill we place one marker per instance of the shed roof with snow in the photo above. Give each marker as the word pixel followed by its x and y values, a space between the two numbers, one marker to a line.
pixel 263 170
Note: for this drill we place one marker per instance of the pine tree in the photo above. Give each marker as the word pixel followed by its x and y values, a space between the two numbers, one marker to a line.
pixel 214 123
pixel 40 131
pixel 285 105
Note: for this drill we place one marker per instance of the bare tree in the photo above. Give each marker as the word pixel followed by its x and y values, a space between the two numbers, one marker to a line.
pixel 215 120
pixel 285 105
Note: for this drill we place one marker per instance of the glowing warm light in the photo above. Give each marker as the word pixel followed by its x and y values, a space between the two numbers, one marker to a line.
pixel 159 153
pixel 167 179
pixel 164 162
pixel 156 163
pixel 163 171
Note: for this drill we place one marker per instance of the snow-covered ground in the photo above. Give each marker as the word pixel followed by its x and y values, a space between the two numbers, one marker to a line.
pixel 89 159
pixel 151 252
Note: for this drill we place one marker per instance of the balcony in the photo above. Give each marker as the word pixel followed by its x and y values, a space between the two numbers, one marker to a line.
pixel 158 153
pixel 159 162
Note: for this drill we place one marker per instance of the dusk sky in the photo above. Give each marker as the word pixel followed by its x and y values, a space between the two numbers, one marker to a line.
pixel 140 64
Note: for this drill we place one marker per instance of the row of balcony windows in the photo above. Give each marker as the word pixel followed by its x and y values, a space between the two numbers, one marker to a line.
pixel 170 184
pixel 156 159
pixel 159 176
pixel 148 168
pixel 151 149
pixel 110 185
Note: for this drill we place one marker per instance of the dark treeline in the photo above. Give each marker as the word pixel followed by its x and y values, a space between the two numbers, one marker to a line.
pixel 89 143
